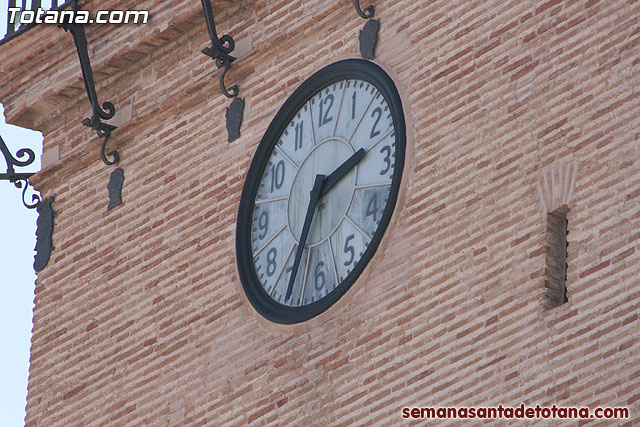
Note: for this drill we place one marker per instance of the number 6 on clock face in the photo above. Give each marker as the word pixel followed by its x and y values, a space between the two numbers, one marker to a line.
pixel 320 191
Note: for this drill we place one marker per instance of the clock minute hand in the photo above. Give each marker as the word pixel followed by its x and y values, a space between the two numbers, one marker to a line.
pixel 335 176
pixel 313 201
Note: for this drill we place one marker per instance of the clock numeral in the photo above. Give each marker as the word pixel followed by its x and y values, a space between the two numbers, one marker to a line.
pixel 367 210
pixel 319 276
pixel 324 118
pixel 298 140
pixel 277 176
pixel 271 261
pixel 372 207
pixel 349 250
pixel 353 105
pixel 376 112
pixel 263 224
pixel 387 159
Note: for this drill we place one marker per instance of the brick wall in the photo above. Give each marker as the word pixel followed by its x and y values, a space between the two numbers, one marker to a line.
pixel 514 109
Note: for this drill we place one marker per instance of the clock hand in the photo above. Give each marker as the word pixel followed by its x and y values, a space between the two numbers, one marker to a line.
pixel 335 176
pixel 321 186
pixel 313 201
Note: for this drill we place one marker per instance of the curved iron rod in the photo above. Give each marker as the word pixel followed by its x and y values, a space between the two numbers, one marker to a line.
pixel 12 161
pixel 19 179
pixel 114 154
pixel 233 90
pixel 229 42
pixel 80 39
pixel 218 42
pixel 35 199
pixel 368 11
pixel 104 131
pixel 111 110
pixel 211 24
pixel 107 111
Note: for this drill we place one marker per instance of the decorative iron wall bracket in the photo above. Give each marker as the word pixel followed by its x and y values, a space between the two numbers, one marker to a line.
pixel 220 50
pixel 95 122
pixel 368 11
pixel 19 179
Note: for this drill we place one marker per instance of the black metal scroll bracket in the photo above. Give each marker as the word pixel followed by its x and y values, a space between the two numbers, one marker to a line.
pixel 19 179
pixel 368 11
pixel 219 50
pixel 95 122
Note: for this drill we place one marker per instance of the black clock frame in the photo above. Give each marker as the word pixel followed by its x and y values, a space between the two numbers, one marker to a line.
pixel 345 69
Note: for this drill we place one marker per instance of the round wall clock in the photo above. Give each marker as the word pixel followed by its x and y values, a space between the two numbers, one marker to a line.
pixel 320 191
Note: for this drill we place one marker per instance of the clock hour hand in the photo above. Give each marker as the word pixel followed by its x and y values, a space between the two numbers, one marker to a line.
pixel 335 176
pixel 313 201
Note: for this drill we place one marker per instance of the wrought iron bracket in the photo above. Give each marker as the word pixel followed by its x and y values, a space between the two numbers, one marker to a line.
pixel 107 111
pixel 220 50
pixel 368 11
pixel 20 180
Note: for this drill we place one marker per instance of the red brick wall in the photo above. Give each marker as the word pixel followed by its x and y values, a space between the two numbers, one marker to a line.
pixel 514 109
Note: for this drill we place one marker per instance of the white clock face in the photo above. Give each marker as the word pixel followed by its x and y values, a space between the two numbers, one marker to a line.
pixel 320 191
pixel 330 128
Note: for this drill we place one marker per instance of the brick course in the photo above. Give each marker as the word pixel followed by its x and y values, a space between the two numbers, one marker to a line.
pixel 140 317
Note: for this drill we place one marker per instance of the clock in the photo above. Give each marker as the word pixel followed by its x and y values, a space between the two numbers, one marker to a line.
pixel 320 191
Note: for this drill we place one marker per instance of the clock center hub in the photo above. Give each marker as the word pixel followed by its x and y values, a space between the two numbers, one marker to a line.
pixel 332 207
